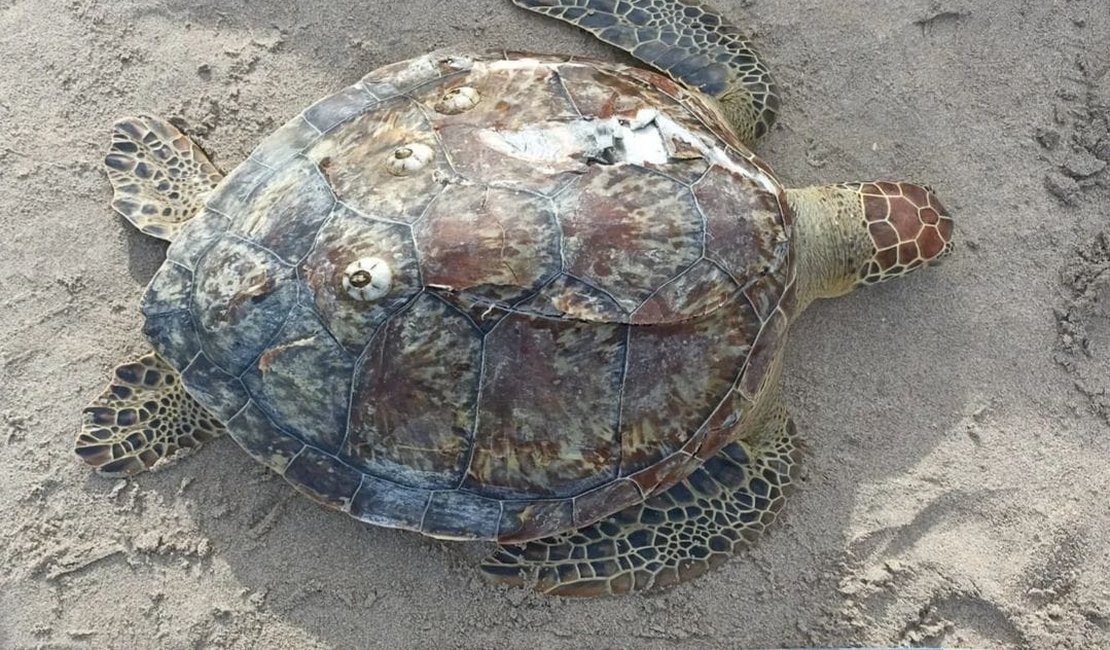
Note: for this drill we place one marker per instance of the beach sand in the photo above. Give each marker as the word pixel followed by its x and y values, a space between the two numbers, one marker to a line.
pixel 956 489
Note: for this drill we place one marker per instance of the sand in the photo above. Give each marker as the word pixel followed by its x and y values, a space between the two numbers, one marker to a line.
pixel 956 489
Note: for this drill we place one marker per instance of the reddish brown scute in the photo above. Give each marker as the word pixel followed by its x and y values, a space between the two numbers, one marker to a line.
pixel 575 319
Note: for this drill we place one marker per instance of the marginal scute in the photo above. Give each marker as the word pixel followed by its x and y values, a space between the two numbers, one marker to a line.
pixel 549 400
pixel 721 427
pixel 605 500
pixel 474 238
pixel 695 445
pixel 169 325
pixel 340 107
pixel 258 435
pixel 766 294
pixel 303 380
pixel 291 139
pixel 169 290
pixel 404 76
pixel 385 503
pixel 196 236
pixel 344 239
pixel 173 335
pixel 665 473
pixel 412 406
pixel 323 478
pixel 220 393
pixel 459 515
pixel 234 192
pixel 526 520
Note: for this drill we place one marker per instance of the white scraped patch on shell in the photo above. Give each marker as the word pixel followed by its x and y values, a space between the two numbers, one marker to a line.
pixel 648 138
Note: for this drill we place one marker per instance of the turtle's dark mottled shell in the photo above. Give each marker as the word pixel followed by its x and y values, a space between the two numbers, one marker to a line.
pixel 589 278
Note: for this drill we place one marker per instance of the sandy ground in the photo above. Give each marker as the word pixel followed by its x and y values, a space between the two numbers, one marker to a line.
pixel 958 422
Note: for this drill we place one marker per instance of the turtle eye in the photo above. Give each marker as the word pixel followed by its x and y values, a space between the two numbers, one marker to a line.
pixel 367 278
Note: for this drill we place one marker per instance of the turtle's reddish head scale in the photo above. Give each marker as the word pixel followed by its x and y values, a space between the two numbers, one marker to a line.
pixel 908 227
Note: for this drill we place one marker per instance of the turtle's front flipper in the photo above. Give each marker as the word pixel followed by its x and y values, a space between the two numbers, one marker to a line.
pixel 671 537
pixel 687 40
pixel 159 175
pixel 144 418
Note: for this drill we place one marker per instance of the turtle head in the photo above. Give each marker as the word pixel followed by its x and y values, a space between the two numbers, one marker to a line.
pixel 854 234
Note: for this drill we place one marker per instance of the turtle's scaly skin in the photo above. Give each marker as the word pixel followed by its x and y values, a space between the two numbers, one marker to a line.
pixel 144 418
pixel 850 235
pixel 160 177
pixel 562 337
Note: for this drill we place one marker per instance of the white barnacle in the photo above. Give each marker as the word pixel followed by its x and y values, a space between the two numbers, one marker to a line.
pixel 367 278
pixel 409 158
pixel 458 100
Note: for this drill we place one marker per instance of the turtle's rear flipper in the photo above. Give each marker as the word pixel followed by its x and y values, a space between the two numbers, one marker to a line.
pixel 144 418
pixel 673 536
pixel 159 175
pixel 687 40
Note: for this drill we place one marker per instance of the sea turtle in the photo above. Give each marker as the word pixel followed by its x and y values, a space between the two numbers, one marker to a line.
pixel 534 299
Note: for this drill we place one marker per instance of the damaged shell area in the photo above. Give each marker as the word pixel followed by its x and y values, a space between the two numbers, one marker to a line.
pixel 367 278
pixel 409 158
pixel 458 100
